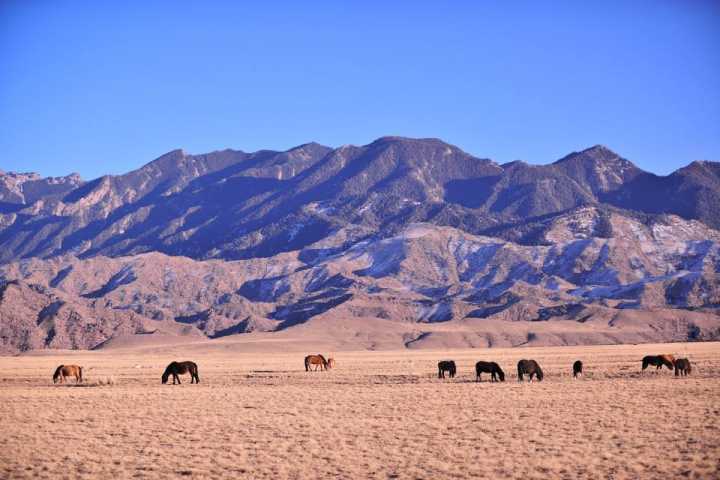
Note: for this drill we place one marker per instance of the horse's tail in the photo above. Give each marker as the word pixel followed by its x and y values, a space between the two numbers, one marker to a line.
pixel 520 372
pixel 80 373
pixel 307 364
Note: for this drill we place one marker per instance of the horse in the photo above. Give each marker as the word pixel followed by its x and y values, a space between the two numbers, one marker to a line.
pixel 577 368
pixel 181 368
pixel 489 367
pixel 682 367
pixel 529 367
pixel 331 363
pixel 658 361
pixel 446 366
pixel 317 360
pixel 67 371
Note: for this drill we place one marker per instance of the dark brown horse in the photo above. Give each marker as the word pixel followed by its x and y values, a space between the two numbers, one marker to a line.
pixel 682 367
pixel 577 368
pixel 446 366
pixel 489 367
pixel 317 360
pixel 68 371
pixel 531 368
pixel 658 361
pixel 181 368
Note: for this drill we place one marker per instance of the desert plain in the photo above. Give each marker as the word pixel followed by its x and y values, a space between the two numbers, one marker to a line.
pixel 378 414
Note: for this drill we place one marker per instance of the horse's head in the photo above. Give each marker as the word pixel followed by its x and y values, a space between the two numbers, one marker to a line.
pixel 501 374
pixel 56 375
pixel 165 376
pixel 539 374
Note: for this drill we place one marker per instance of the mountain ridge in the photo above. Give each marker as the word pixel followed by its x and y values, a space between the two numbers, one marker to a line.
pixel 413 234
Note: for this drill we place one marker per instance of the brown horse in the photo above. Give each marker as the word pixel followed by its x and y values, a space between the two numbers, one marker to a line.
pixel 317 360
pixel 658 361
pixel 489 367
pixel 682 367
pixel 446 366
pixel 181 368
pixel 68 371
pixel 331 363
pixel 530 368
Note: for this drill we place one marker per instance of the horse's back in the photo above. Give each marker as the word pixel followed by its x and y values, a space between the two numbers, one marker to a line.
pixel 71 369
pixel 187 366
pixel 486 367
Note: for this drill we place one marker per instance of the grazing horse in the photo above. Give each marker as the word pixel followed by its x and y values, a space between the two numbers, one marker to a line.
pixel 68 371
pixel 181 368
pixel 446 366
pixel 317 360
pixel 529 367
pixel 658 361
pixel 682 367
pixel 577 368
pixel 489 367
pixel 331 363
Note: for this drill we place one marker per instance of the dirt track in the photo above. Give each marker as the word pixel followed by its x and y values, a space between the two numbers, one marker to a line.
pixel 377 415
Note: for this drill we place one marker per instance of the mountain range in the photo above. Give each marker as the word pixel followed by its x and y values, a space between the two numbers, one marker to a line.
pixel 402 242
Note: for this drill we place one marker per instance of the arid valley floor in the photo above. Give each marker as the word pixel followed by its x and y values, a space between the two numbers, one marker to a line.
pixel 382 414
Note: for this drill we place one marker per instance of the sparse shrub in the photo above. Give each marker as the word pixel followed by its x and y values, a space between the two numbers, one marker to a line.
pixel 109 381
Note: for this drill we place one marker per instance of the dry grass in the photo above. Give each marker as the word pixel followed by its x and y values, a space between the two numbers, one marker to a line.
pixel 377 415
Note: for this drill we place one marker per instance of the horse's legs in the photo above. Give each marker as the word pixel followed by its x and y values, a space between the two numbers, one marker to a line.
pixel 478 378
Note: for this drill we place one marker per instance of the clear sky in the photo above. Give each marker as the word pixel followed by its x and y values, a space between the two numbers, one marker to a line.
pixel 104 87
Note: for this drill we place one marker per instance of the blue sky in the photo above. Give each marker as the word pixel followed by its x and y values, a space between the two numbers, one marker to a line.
pixel 99 88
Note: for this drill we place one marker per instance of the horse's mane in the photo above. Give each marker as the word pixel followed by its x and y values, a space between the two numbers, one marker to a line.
pixel 57 371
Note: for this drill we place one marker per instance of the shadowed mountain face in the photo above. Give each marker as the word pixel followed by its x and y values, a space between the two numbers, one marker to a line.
pixel 410 230
pixel 232 204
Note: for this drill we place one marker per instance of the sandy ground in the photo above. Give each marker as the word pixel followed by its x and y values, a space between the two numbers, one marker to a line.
pixel 377 415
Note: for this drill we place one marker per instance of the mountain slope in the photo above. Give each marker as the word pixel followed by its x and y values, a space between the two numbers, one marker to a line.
pixel 232 204
pixel 646 282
